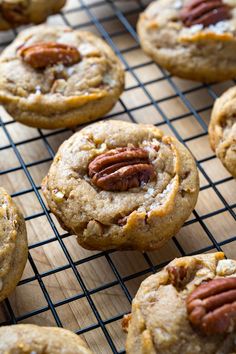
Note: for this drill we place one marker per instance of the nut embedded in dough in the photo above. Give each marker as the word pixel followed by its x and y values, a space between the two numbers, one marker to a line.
pixel 41 55
pixel 204 12
pixel 211 306
pixel 121 169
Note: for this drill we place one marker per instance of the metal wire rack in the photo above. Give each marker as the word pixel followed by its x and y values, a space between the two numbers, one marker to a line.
pixel 89 292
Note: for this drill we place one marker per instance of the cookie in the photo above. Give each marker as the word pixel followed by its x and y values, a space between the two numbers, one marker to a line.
pixel 192 39
pixel 29 339
pixel 119 185
pixel 20 12
pixel 222 129
pixel 188 308
pixel 13 245
pixel 53 76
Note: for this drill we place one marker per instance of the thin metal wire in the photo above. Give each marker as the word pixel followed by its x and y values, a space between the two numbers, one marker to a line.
pixel 123 18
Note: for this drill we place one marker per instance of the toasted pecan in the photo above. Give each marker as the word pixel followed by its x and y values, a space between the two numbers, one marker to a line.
pixel 41 55
pixel 211 307
pixel 121 169
pixel 204 12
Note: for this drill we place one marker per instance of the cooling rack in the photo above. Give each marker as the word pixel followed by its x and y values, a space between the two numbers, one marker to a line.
pixel 89 292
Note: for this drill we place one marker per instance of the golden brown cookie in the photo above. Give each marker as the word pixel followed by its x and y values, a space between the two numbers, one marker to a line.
pixel 189 307
pixel 192 39
pixel 222 129
pixel 14 13
pixel 119 185
pixel 31 339
pixel 13 245
pixel 53 76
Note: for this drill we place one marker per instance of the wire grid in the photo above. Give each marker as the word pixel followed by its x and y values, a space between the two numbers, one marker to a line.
pixel 115 22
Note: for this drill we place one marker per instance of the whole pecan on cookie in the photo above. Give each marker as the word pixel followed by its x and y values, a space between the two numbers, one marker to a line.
pixel 211 307
pixel 204 12
pixel 121 169
pixel 41 55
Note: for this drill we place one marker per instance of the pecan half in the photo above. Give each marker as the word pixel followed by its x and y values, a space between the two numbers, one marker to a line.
pixel 121 169
pixel 204 12
pixel 41 55
pixel 211 307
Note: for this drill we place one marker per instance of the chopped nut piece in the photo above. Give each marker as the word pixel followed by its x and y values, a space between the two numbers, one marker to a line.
pixel 226 267
pixel 58 196
pixel 177 275
pixel 125 322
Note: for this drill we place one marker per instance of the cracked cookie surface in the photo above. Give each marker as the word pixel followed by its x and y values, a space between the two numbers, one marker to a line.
pixel 59 95
pixel 13 245
pixel 143 217
pixel 29 339
pixel 159 321
pixel 14 13
pixel 189 40
pixel 222 129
